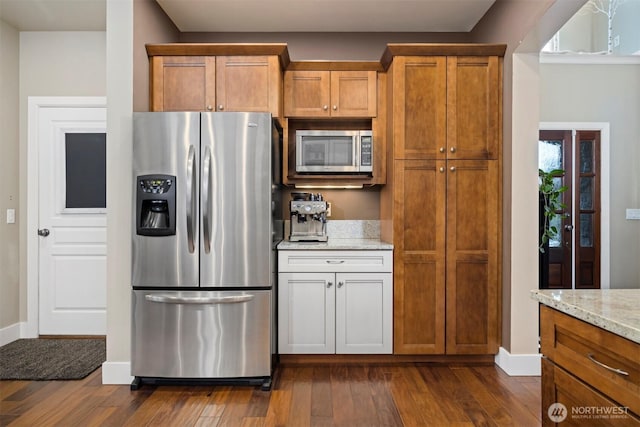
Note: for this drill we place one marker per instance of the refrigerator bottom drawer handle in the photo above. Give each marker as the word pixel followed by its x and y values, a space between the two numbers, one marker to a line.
pixel 168 299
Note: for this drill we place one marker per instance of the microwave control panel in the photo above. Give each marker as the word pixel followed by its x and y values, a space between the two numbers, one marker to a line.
pixel 366 152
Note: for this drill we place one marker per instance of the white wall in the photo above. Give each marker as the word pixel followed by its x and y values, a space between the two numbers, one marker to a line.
pixel 605 93
pixel 116 370
pixel 53 64
pixel 626 27
pixel 524 182
pixel 9 190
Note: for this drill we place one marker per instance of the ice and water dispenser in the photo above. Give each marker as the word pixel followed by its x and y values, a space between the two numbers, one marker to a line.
pixel 156 205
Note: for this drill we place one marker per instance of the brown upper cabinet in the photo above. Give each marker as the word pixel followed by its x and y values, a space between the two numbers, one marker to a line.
pixel 324 94
pixel 446 107
pixel 212 77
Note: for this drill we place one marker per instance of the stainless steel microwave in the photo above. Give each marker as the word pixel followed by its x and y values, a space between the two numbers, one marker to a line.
pixel 334 151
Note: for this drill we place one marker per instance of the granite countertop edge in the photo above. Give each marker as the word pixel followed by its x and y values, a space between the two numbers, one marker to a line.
pixel 614 310
pixel 337 244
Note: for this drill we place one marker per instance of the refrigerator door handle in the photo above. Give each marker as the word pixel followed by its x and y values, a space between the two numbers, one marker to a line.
pixel 168 299
pixel 206 197
pixel 191 197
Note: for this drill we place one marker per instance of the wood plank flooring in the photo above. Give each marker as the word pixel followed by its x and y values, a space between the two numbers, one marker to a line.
pixel 408 394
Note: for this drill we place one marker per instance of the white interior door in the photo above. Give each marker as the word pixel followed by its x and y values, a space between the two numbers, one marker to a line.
pixel 71 150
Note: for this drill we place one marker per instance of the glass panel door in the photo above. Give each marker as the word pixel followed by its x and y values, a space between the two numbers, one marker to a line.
pixel 555 152
pixel 573 257
pixel 587 233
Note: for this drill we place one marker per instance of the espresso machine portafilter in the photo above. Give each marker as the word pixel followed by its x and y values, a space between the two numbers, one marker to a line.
pixel 308 218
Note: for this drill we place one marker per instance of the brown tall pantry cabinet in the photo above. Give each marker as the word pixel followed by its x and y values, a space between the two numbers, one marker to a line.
pixel 441 207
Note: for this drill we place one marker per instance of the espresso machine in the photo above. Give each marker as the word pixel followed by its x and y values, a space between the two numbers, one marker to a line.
pixel 308 218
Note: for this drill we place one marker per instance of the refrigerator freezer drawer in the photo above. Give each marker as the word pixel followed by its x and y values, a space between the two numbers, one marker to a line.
pixel 201 334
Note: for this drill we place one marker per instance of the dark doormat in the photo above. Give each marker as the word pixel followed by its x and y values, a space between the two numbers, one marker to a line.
pixel 51 359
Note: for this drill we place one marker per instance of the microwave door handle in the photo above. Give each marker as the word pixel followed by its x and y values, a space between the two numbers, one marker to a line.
pixel 356 153
pixel 191 197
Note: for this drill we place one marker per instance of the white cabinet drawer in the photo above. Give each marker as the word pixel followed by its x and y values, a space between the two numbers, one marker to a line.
pixel 376 261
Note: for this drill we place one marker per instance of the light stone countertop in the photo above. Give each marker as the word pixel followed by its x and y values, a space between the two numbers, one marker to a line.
pixel 343 235
pixel 336 244
pixel 615 310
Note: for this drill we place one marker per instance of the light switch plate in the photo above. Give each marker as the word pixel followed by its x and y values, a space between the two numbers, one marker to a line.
pixel 11 216
pixel 633 213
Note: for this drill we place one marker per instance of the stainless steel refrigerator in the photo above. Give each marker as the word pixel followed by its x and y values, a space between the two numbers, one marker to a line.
pixel 206 223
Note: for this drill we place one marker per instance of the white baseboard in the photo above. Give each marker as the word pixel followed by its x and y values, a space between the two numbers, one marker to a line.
pixel 518 364
pixel 11 333
pixel 116 373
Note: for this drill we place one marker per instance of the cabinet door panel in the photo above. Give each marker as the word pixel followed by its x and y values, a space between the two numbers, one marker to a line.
pixel 419 261
pixel 419 107
pixel 472 257
pixel 307 93
pixel 364 313
pixel 473 107
pixel 419 306
pixel 182 83
pixel 247 83
pixel 306 313
pixel 584 403
pixel 353 93
pixel 422 205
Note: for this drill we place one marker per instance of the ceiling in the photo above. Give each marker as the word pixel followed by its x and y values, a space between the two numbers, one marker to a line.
pixel 260 15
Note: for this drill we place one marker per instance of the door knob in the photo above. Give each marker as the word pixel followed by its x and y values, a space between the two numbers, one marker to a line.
pixel 568 227
pixel 44 232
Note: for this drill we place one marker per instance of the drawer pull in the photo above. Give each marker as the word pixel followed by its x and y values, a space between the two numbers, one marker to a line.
pixel 331 261
pixel 616 370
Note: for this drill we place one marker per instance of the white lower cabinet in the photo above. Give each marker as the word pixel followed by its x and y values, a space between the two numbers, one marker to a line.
pixel 328 312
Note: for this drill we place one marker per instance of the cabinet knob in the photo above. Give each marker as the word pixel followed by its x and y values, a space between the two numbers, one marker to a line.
pixel 329 284
pixel 220 107
pixel 325 107
pixel 453 149
pixel 453 169
pixel 209 107
pixel 335 108
pixel 340 284
pixel 441 169
pixel 442 149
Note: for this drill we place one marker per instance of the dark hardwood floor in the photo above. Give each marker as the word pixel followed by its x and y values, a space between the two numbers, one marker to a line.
pixel 409 394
